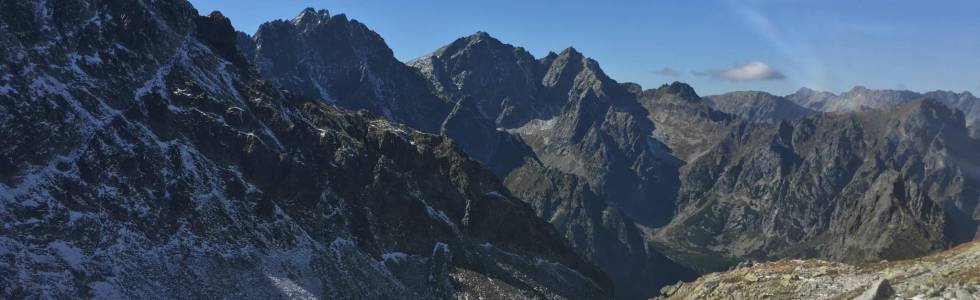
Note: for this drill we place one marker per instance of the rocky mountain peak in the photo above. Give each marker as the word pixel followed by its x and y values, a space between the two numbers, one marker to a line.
pixel 805 90
pixel 481 42
pixel 571 52
pixel 859 89
pixel 548 58
pixel 758 106
pixel 481 35
pixel 501 81
pixel 571 68
pixel 683 120
pixel 815 100
pixel 344 62
pixel 310 17
pixel 216 30
pixel 480 38
pixel 808 92
pixel 218 16
pixel 680 89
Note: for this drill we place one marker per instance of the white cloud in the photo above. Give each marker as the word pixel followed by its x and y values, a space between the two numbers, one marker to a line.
pixel 748 72
pixel 798 55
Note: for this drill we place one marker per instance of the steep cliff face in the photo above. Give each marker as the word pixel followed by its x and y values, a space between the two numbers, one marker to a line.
pixel 602 135
pixel 597 228
pixel 575 118
pixel 964 101
pixel 884 184
pixel 147 160
pixel 551 128
pixel 686 124
pixel 594 171
pixel 345 63
pixel 758 106
pixel 974 130
pixel 502 81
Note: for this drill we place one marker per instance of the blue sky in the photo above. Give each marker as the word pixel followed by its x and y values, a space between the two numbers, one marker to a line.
pixel 717 46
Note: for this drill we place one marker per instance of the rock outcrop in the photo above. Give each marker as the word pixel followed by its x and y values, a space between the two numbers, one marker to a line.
pixel 758 106
pixel 951 274
pixel 502 81
pixel 345 63
pixel 885 184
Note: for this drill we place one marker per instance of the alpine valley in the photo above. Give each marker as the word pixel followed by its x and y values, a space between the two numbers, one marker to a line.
pixel 148 151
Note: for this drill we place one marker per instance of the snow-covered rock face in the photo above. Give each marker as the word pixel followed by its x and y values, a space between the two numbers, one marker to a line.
pixel 142 159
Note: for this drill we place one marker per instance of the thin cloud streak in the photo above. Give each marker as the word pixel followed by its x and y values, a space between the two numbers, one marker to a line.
pixel 797 54
pixel 754 71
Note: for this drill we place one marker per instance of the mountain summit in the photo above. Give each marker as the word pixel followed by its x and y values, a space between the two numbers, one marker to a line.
pixel 759 106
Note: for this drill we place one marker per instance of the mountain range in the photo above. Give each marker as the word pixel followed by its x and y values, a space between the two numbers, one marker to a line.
pixel 861 98
pixel 159 153
pixel 765 107
pixel 148 160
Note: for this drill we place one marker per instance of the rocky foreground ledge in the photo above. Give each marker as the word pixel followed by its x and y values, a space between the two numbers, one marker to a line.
pixel 951 274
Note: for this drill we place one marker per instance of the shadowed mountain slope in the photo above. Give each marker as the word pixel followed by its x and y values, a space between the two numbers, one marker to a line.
pixel 146 159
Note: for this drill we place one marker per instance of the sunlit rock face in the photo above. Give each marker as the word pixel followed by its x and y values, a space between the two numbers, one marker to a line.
pixel 861 98
pixel 759 106
pixel 883 184
pixel 950 274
